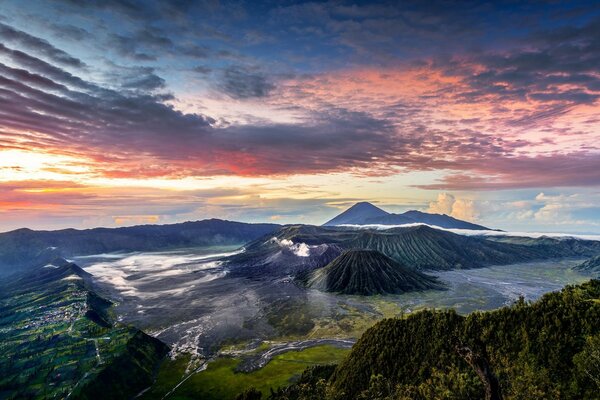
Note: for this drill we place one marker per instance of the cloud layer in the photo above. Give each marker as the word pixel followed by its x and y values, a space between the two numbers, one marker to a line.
pixel 527 108
pixel 474 97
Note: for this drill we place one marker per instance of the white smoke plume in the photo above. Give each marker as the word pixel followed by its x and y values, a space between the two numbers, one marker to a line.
pixel 299 249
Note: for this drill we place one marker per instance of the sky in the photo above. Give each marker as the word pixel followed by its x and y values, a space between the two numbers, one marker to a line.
pixel 123 112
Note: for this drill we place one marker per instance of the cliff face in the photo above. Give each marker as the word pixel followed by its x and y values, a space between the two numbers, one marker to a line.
pixel 592 265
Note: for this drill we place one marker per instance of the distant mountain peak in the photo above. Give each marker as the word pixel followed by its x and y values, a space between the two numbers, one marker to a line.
pixel 366 206
pixel 416 212
pixel 365 213
pixel 358 213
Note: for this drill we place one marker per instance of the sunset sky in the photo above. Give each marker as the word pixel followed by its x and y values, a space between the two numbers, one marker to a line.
pixel 115 113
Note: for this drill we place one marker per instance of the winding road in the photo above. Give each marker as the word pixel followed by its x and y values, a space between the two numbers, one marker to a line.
pixel 256 361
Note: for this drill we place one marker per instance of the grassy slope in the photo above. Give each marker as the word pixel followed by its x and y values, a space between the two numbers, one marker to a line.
pixel 220 381
pixel 542 350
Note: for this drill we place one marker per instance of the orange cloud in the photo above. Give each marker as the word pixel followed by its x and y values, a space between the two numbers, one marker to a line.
pixel 136 219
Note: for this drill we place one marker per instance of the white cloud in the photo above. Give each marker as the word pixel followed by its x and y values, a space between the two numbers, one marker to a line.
pixel 552 212
pixel 460 208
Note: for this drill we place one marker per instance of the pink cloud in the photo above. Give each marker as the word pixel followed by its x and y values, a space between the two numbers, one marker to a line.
pixel 487 121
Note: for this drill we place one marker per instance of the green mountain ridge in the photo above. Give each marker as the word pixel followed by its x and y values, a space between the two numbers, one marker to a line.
pixel 58 339
pixel 423 247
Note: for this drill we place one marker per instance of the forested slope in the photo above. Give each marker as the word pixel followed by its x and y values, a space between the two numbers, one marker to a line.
pixel 545 350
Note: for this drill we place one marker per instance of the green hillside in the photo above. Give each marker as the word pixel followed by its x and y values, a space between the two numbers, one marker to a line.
pixel 544 350
pixel 57 339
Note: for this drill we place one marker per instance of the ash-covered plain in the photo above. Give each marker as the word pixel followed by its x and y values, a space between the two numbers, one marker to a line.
pixel 189 299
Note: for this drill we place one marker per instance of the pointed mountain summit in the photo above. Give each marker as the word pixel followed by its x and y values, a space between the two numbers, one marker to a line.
pixel 358 214
pixel 365 213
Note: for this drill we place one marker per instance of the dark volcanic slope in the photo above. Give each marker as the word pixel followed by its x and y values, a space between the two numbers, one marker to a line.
pixel 368 272
pixel 441 220
pixel 18 249
pixel 427 248
pixel 591 265
pixel 423 247
pixel 290 250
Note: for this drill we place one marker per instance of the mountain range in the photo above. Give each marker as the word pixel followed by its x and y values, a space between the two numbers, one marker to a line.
pixel 295 249
pixel 365 213
pixel 22 249
pixel 52 317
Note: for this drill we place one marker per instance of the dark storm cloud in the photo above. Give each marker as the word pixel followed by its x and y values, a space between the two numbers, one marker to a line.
pixel 147 44
pixel 243 83
pixel 130 8
pixel 64 111
pixel 98 116
pixel 45 69
pixel 338 140
pixel 40 46
pixel 143 79
pixel 139 8
pixel 129 47
pixel 558 170
pixel 202 69
pixel 384 32
pixel 539 70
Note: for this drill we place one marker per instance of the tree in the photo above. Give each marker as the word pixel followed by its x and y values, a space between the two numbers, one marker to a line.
pixel 249 394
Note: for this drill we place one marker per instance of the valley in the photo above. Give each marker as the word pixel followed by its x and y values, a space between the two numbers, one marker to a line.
pixel 230 316
pixel 224 324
